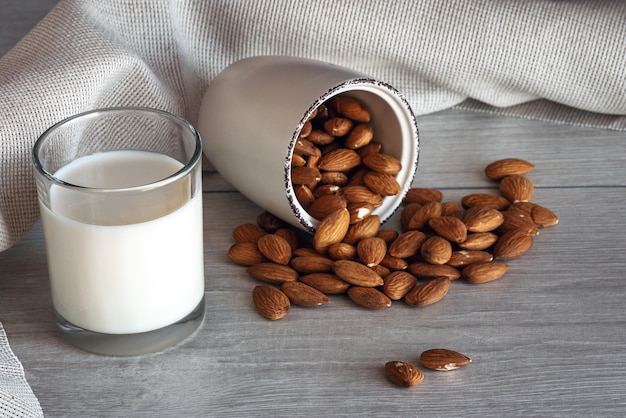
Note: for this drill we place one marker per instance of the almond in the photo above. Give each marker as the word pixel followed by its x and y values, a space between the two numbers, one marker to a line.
pixel 398 284
pixel 451 209
pixel 320 137
pixel 336 178
pixel 303 295
pixel 443 360
pixel 270 302
pixel 422 195
pixel 341 159
pixel 371 250
pixel 305 147
pixel 449 227
pixel 465 257
pixel 388 234
pixel 484 272
pixel 304 195
pixel 361 194
pixel 306 175
pixel 351 108
pixel 431 271
pixel 248 232
pixel 428 293
pixel 436 250
pixel 327 283
pixel 544 217
pixel 356 273
pixel 245 254
pixel 481 219
pixel 516 188
pixel 359 211
pixel 512 244
pixel 518 221
pixel 382 183
pixel 359 136
pixel 369 149
pixel 272 272
pixel 331 229
pixel 423 215
pixel 338 126
pixel 507 167
pixel 275 248
pixel 311 264
pixel 342 251
pixel 291 236
pixel 407 244
pixel 368 297
pixel 325 205
pixel 270 222
pixel 479 241
pixel 368 227
pixel 394 263
pixel 485 200
pixel 383 163
pixel 403 374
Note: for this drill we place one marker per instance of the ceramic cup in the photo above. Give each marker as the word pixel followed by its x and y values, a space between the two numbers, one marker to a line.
pixel 252 114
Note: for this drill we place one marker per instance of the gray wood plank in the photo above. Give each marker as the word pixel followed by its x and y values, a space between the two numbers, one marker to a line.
pixel 546 340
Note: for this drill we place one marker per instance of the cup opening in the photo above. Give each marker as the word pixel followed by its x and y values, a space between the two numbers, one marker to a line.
pixel 394 127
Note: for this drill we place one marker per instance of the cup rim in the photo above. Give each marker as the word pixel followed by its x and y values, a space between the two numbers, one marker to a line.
pixel 182 172
pixel 300 213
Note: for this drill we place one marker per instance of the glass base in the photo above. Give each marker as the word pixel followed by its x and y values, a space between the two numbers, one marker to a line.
pixel 131 344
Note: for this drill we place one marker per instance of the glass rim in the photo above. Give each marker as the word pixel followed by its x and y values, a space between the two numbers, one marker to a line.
pixel 182 172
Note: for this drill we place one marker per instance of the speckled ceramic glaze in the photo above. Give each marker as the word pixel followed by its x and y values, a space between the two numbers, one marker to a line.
pixel 253 111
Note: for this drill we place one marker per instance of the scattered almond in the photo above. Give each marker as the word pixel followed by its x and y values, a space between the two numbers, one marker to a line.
pixel 302 294
pixel 443 360
pixel 368 297
pixel 270 302
pixel 507 167
pixel 403 374
pixel 428 293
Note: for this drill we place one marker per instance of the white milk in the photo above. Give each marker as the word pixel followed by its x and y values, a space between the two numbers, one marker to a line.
pixel 125 277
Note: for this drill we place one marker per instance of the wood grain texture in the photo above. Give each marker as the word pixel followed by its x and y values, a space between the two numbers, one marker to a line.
pixel 548 339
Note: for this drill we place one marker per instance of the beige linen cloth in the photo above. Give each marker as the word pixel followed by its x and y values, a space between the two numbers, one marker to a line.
pixel 563 61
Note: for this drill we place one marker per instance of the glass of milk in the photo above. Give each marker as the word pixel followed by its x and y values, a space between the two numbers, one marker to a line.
pixel 120 196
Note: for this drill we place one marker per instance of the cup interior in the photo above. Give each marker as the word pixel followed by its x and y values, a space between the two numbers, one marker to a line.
pixel 394 128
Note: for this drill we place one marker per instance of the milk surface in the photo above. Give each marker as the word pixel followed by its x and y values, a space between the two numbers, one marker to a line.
pixel 130 264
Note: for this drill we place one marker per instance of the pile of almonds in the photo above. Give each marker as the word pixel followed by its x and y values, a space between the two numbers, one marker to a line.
pixel 440 241
pixel 336 164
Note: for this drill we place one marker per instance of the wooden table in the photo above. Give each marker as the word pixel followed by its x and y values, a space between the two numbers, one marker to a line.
pixel 547 339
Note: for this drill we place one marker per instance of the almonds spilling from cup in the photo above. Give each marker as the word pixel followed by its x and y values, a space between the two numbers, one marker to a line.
pixel 439 242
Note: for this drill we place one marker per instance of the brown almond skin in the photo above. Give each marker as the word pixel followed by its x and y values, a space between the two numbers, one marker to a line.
pixel 403 374
pixel 371 250
pixel 357 274
pixel 303 295
pixel 443 360
pixel 463 258
pixel 338 126
pixel 516 188
pixel 311 264
pixel 368 297
pixel 483 272
pixel 485 200
pixel 544 217
pixel 351 108
pixel 382 183
pixel 512 244
pixel 423 214
pixel 428 293
pixel 332 229
pixel 422 195
pixel 275 248
pixel 325 205
pixel 518 221
pixel 383 163
pixel 407 244
pixel 368 227
pixel 436 250
pixel 341 159
pixel 248 232
pixel 342 251
pixel 449 227
pixel 327 283
pixel 272 272
pixel 245 254
pixel 479 241
pixel 398 284
pixel 506 167
pixel 271 302
pixel 425 270
pixel 480 219
pixel 360 136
